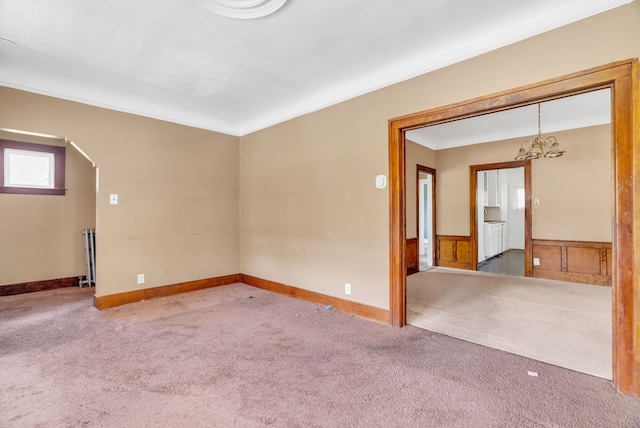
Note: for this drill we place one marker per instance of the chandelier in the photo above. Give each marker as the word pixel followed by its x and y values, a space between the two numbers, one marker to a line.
pixel 549 147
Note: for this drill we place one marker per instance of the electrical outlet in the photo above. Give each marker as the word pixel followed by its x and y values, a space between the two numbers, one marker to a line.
pixel 536 201
pixel 140 278
pixel 347 288
pixel 536 261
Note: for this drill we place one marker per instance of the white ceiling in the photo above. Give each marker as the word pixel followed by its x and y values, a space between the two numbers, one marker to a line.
pixel 174 60
pixel 579 111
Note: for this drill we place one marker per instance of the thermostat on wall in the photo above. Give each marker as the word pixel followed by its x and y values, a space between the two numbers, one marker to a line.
pixel 381 181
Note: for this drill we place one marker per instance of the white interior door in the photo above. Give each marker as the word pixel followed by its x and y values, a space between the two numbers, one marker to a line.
pixel 426 233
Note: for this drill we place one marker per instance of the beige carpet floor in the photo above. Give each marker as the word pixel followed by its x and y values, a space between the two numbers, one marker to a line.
pixel 560 323
pixel 238 356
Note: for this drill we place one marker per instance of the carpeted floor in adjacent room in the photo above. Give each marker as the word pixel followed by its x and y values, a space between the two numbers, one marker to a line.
pixel 237 356
pixel 561 323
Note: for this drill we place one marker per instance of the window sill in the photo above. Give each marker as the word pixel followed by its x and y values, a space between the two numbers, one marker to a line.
pixel 32 191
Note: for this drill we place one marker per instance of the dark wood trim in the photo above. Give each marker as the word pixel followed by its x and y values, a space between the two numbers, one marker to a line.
pixel 59 159
pixel 413 259
pixel 33 286
pixel 623 78
pixel 364 311
pixel 32 191
pixel 528 220
pixel 598 272
pixel 113 300
pixel 626 305
pixel 397 226
pixel 628 297
pixel 560 87
pixel 432 242
pixel 460 258
pixel 473 226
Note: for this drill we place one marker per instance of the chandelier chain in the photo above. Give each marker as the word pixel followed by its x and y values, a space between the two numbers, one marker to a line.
pixel 539 127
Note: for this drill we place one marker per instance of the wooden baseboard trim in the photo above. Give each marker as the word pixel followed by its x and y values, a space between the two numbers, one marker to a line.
pixel 364 311
pixel 573 277
pixel 112 300
pixel 30 287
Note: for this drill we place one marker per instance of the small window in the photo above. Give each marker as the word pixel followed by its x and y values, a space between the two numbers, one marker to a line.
pixel 30 168
pixel 23 168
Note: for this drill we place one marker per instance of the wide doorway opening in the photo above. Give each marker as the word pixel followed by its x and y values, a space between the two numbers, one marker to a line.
pixel 617 77
pixel 496 306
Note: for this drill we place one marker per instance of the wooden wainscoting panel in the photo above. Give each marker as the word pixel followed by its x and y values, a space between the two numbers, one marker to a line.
pixel 412 256
pixel 365 311
pixel 30 287
pixel 446 250
pixel 585 260
pixel 574 261
pixel 112 300
pixel 453 251
pixel 550 257
pixel 463 252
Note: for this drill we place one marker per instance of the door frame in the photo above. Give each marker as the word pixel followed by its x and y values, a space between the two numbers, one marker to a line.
pixel 473 224
pixel 622 78
pixel 432 172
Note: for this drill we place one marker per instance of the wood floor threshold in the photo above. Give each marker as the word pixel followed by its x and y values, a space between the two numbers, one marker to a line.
pixel 364 311
pixel 33 286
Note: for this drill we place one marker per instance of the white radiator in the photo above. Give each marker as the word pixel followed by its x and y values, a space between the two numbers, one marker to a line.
pixel 89 257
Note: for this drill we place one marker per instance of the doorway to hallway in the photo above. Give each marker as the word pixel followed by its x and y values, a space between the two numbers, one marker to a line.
pixel 426 185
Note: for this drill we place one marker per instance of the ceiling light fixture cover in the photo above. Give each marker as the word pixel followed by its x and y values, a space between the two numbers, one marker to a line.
pixel 243 9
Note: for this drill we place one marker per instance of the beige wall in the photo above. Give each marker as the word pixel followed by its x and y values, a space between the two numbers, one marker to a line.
pixel 575 193
pixel 574 190
pixel 309 208
pixel 41 235
pixel 415 155
pixel 177 218
pixel 330 225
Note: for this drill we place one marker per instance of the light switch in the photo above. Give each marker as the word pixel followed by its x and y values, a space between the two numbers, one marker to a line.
pixel 113 199
pixel 381 181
